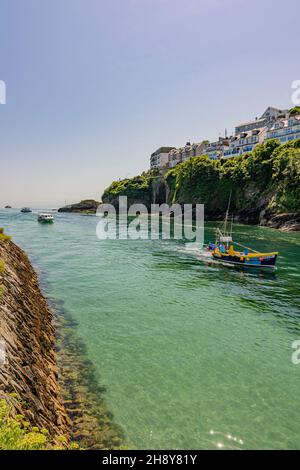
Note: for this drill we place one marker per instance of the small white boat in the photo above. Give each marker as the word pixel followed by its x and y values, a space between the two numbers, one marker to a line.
pixel 46 218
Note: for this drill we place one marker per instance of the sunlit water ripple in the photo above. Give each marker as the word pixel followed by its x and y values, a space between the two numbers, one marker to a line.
pixel 192 354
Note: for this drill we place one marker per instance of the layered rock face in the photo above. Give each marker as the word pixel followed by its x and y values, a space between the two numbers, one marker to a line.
pixel 27 335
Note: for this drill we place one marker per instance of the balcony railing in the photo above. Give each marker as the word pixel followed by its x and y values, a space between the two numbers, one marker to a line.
pixel 281 133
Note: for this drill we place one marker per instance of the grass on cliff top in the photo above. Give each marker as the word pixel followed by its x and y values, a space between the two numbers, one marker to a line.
pixel 17 434
pixel 131 187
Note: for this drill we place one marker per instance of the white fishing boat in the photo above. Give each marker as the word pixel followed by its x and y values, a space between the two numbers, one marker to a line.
pixel 46 218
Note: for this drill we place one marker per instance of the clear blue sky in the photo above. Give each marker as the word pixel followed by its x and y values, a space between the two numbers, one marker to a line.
pixel 95 86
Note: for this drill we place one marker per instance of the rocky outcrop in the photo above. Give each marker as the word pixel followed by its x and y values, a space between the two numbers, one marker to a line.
pixel 289 222
pixel 27 335
pixel 262 186
pixel 88 206
pixel 159 190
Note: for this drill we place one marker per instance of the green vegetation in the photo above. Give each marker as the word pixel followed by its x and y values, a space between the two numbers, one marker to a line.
pixel 294 111
pixel 16 433
pixel 137 188
pixel 3 236
pixel 267 178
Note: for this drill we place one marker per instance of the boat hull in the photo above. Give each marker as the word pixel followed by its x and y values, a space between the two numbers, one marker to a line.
pixel 46 221
pixel 255 262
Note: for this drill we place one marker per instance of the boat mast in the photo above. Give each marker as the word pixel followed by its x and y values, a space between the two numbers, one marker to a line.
pixel 231 225
pixel 227 213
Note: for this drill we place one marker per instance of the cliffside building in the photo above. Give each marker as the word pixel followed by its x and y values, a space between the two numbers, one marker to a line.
pixel 160 158
pixel 270 115
pixel 245 142
pixel 274 123
pixel 285 130
pixel 215 150
pixel 184 153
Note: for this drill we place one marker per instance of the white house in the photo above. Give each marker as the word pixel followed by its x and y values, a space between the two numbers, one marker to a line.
pixel 269 116
pixel 245 142
pixel 184 153
pixel 160 158
pixel 215 150
pixel 285 130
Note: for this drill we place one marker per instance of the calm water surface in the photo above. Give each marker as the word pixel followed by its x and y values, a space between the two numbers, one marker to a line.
pixel 192 354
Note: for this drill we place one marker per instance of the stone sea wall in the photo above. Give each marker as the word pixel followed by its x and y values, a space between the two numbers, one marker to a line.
pixel 29 372
pixel 46 376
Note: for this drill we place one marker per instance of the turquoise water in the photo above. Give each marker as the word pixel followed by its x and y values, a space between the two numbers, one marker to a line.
pixel 192 354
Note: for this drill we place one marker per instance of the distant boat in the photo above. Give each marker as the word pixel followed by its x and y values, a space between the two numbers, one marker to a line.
pixel 7 207
pixel 224 250
pixel 46 218
pixel 26 209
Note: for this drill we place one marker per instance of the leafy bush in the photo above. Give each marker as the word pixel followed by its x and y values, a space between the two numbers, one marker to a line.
pixel 294 111
pixel 3 236
pixel 266 177
pixel 271 170
pixel 15 432
pixel 136 188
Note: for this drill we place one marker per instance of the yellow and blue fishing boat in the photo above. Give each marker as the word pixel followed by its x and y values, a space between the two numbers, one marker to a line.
pixel 225 251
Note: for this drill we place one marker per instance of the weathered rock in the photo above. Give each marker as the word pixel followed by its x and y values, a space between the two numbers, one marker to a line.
pixel 88 206
pixel 27 332
pixel 289 222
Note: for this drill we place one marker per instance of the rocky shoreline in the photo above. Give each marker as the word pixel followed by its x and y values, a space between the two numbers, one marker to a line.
pixel 46 376
pixel 158 192
pixel 262 186
pixel 27 333
pixel 87 206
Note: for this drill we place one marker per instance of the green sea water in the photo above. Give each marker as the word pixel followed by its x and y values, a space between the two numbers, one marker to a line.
pixel 191 354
